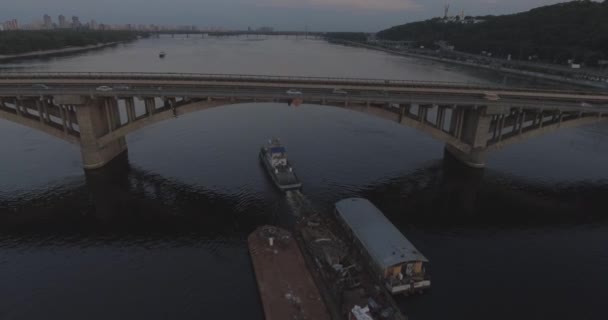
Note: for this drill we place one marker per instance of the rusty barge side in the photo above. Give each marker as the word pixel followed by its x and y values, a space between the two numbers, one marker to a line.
pixel 285 284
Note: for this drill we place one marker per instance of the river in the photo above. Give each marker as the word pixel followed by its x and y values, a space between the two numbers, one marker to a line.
pixel 162 234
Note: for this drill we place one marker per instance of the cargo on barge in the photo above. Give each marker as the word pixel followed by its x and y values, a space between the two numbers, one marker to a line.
pixel 394 259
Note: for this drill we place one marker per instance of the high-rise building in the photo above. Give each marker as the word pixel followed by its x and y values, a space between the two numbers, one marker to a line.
pixel 62 22
pixel 47 22
pixel 93 25
pixel 11 25
pixel 76 22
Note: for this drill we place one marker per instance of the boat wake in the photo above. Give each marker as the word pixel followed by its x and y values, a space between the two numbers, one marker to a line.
pixel 298 203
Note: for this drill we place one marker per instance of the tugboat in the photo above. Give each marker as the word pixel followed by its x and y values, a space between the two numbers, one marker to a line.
pixel 162 54
pixel 274 158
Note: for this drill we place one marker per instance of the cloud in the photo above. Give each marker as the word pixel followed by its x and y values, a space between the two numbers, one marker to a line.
pixel 375 5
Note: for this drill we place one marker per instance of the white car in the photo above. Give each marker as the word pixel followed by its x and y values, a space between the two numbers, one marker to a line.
pixel 40 86
pixel 339 91
pixel 103 88
pixel 586 105
pixel 294 92
pixel 491 96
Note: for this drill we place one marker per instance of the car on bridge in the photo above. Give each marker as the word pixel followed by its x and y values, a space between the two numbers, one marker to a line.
pixel 294 92
pixel 122 87
pixel 491 96
pixel 40 86
pixel 103 88
pixel 339 91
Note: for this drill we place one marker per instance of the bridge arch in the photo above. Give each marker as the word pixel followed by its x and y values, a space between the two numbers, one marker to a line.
pixel 406 115
pixel 50 122
pixel 469 119
pixel 468 131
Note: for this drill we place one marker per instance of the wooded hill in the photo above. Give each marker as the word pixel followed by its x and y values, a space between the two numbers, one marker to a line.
pixel 557 33
pixel 22 41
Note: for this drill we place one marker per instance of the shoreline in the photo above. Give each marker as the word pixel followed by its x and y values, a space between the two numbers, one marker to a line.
pixel 55 52
pixel 522 73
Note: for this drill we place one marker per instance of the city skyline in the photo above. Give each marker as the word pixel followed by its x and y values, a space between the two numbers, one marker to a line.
pixel 318 15
pixel 74 22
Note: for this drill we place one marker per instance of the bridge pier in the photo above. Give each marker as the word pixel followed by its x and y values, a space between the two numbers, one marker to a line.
pixel 471 126
pixel 130 107
pixel 474 158
pixel 150 106
pixel 108 186
pixel 94 123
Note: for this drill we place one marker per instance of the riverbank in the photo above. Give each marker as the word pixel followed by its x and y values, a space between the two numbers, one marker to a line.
pixel 522 73
pixel 56 52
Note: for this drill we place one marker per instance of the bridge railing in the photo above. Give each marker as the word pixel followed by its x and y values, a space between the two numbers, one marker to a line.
pixel 229 77
pixel 333 81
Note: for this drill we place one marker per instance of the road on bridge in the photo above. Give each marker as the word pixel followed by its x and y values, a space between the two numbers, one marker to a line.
pixel 313 89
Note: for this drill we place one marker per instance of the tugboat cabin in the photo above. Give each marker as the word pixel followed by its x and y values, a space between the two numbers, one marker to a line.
pixel 274 158
pixel 398 265
pixel 278 156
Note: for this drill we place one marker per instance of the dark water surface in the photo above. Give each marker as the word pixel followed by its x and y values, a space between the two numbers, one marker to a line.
pixel 161 234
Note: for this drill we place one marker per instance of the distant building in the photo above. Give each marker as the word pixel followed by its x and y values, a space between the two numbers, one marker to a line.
pixel 266 29
pixel 11 25
pixel 460 18
pixel 93 25
pixel 47 22
pixel 471 20
pixel 62 22
pixel 443 45
pixel 76 22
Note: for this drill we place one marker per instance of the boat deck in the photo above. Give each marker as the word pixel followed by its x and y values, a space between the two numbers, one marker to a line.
pixel 285 285
pixel 283 179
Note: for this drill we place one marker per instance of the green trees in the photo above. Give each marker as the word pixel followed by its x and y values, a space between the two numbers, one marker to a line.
pixel 575 30
pixel 348 36
pixel 15 42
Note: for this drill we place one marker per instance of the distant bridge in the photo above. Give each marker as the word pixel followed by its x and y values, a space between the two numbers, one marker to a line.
pixel 470 119
pixel 233 33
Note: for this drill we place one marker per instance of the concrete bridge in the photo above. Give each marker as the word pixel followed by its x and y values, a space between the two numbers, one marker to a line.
pixel 471 119
pixel 235 33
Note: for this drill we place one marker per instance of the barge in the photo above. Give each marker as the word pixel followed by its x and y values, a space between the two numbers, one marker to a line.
pixel 394 260
pixel 348 286
pixel 285 285
pixel 274 158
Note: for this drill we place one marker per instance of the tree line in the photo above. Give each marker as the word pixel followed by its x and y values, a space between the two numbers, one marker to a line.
pixel 23 41
pixel 576 30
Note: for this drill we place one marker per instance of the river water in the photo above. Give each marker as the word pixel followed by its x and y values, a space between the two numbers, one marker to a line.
pixel 161 235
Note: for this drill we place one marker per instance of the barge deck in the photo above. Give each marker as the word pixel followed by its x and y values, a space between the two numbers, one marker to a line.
pixel 285 285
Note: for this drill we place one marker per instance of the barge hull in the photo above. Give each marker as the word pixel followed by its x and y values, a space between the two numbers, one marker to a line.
pixel 285 284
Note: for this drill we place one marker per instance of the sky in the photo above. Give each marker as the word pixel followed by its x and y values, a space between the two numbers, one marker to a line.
pixel 316 15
